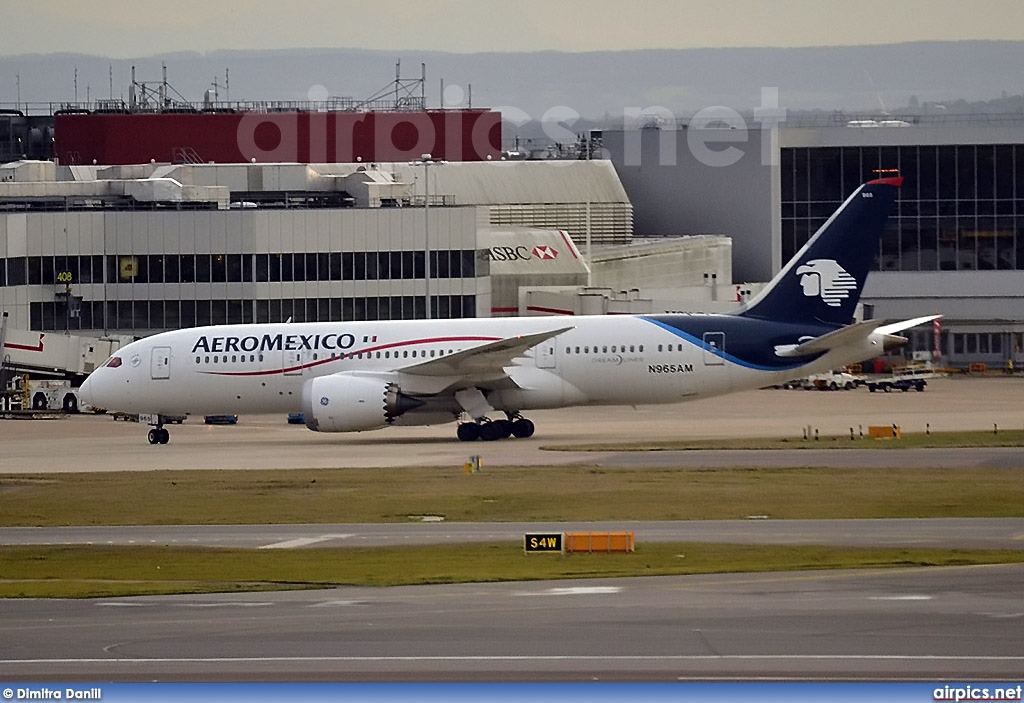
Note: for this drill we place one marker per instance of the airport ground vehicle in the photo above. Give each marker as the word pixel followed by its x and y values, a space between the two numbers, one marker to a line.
pixel 42 370
pixel 53 395
pixel 827 381
pixel 898 382
pixel 220 419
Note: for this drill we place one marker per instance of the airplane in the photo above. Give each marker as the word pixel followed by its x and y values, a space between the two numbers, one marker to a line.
pixel 357 376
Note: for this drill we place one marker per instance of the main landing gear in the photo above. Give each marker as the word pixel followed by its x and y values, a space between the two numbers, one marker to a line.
pixel 490 430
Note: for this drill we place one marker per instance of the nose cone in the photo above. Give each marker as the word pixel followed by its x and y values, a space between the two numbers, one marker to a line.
pixel 86 392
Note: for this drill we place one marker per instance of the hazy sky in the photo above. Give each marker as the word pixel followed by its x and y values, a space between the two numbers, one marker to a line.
pixel 138 28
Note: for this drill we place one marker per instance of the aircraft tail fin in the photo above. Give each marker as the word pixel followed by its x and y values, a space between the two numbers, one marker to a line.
pixel 823 281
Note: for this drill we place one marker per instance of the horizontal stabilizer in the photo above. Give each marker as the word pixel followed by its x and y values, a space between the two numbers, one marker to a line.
pixel 852 334
pixel 906 324
pixel 841 337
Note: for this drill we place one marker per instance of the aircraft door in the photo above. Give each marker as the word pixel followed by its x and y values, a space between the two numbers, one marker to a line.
pixel 294 360
pixel 714 347
pixel 546 355
pixel 160 363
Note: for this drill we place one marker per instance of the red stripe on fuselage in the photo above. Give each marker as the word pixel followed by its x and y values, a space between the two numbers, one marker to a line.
pixel 351 353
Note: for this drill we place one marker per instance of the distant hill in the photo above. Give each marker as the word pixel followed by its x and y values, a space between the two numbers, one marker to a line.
pixel 597 85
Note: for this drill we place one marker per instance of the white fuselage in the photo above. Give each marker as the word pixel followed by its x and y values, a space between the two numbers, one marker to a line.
pixel 600 360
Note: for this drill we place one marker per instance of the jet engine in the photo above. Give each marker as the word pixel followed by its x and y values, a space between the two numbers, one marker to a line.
pixel 347 402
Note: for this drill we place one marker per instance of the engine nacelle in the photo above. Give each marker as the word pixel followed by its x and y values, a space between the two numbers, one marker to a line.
pixel 350 403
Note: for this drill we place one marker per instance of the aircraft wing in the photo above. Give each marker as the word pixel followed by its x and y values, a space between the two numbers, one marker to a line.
pixel 850 334
pixel 486 361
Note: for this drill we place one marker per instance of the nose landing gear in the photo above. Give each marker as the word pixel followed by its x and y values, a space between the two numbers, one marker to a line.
pixel 158 435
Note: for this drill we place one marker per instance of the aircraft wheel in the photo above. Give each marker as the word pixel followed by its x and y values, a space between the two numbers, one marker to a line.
pixel 70 404
pixel 165 436
pixel 468 432
pixel 522 428
pixel 491 431
pixel 154 436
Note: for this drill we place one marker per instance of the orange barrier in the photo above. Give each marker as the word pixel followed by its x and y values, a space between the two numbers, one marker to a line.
pixel 599 542
pixel 885 431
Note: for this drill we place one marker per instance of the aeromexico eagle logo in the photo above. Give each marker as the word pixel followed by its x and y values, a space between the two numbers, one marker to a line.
pixel 826 279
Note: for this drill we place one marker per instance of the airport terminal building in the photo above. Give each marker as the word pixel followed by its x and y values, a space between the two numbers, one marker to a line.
pixel 136 249
pixel 142 249
pixel 954 244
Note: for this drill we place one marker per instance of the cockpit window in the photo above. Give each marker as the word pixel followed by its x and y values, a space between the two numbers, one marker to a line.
pixel 113 362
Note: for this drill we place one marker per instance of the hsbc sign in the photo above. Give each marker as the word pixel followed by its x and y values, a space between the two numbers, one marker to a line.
pixel 541 251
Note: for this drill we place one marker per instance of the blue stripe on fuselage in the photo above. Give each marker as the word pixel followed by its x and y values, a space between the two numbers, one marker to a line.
pixel 748 342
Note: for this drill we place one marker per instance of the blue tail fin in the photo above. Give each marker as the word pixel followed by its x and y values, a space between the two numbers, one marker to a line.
pixel 823 282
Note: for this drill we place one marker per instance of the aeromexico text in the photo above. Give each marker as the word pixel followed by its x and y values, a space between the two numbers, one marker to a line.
pixel 274 342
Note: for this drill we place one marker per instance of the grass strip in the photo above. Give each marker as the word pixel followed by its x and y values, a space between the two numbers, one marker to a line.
pixel 90 571
pixel 504 494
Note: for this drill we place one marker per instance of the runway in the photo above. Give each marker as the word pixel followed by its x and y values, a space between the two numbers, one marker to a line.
pixel 936 624
pixel 903 624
